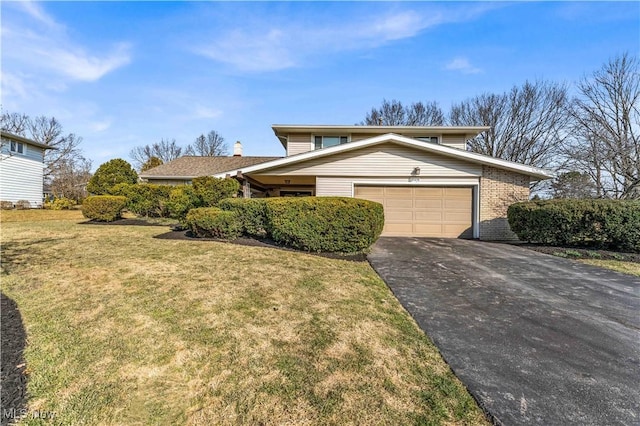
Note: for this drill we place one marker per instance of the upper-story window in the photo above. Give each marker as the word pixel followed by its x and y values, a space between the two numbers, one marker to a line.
pixel 432 139
pixel 17 147
pixel 327 141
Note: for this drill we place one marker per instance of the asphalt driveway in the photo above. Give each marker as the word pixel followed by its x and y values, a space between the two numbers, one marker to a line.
pixel 537 339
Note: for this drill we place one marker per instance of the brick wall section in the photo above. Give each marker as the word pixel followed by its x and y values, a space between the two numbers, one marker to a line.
pixel 499 189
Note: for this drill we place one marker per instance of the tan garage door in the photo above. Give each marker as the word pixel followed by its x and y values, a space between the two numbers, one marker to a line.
pixel 423 211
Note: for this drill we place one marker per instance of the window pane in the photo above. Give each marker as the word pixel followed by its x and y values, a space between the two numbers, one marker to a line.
pixel 330 141
pixel 13 146
pixel 21 148
pixel 343 139
pixel 318 142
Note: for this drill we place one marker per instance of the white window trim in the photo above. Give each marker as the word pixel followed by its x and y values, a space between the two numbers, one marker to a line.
pixel 24 148
pixel 313 139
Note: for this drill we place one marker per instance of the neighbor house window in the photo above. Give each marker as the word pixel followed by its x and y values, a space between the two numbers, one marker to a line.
pixel 17 147
pixel 327 141
pixel 432 139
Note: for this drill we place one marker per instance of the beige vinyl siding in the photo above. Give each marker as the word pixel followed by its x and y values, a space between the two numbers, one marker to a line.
pixel 21 176
pixel 360 136
pixel 334 187
pixel 455 141
pixel 390 160
pixel 298 143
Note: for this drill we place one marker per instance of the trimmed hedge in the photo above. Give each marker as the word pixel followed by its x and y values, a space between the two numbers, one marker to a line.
pixel 611 224
pixel 252 213
pixel 181 200
pixel 61 203
pixel 212 190
pixel 330 224
pixel 144 199
pixel 213 222
pixel 104 208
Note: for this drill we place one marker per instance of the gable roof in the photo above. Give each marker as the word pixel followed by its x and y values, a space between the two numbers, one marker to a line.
pixel 18 138
pixel 282 130
pixel 189 167
pixel 533 172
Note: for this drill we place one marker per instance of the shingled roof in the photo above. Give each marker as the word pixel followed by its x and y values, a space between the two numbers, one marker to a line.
pixel 189 167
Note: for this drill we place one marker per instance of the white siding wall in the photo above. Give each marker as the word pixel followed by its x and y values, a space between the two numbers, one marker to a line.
pixel 298 144
pixel 382 160
pixel 21 175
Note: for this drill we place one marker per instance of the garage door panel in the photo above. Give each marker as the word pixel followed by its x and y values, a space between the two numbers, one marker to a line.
pixel 433 216
pixel 429 192
pixel 399 215
pixel 397 192
pixel 428 203
pixel 423 211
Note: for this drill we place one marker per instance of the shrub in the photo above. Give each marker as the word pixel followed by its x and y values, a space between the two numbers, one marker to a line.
pixel 144 199
pixel 109 175
pixel 213 222
pixel 104 208
pixel 181 200
pixel 6 205
pixel 610 223
pixel 251 212
pixel 212 190
pixel 23 205
pixel 61 203
pixel 332 224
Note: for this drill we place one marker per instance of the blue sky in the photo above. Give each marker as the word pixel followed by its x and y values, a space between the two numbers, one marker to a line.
pixel 122 74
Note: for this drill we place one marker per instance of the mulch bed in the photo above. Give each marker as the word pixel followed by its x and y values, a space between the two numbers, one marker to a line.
pixel 252 242
pixel 125 222
pixel 582 252
pixel 13 392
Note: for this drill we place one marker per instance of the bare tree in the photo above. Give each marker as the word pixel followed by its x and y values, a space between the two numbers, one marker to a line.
pixel 69 178
pixel 607 128
pixel 45 130
pixel 211 145
pixel 166 150
pixel 393 113
pixel 48 131
pixel 528 124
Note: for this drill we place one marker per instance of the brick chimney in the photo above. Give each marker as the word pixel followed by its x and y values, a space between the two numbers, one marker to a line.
pixel 237 149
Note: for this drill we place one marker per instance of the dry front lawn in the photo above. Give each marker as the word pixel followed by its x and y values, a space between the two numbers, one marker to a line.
pixel 123 328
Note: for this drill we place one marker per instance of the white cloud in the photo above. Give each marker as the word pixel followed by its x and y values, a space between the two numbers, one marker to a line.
pixel 269 46
pixel 462 65
pixel 100 126
pixel 34 41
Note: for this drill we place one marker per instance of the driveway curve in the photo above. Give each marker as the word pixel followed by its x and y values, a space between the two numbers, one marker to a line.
pixel 535 338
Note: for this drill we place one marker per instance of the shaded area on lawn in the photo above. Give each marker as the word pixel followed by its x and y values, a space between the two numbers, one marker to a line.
pixel 252 242
pixel 582 252
pixel 13 388
pixel 126 222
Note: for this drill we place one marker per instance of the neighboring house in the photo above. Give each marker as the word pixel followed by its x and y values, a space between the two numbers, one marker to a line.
pixel 21 169
pixel 427 182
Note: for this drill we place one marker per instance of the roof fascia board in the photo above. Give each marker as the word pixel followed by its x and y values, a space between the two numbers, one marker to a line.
pixel 391 137
pixel 22 139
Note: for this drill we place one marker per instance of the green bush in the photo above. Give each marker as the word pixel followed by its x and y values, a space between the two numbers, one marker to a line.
pixel 61 203
pixel 611 224
pixel 181 200
pixel 212 190
pixel 213 222
pixel 331 224
pixel 251 212
pixel 109 175
pixel 144 199
pixel 103 208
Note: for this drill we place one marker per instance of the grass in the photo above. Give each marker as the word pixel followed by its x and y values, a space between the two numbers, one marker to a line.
pixel 126 329
pixel 631 268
